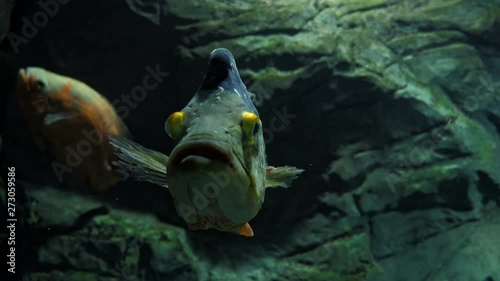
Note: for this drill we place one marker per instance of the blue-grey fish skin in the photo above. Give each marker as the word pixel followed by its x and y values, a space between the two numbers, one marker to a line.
pixel 222 72
pixel 217 172
pixel 213 120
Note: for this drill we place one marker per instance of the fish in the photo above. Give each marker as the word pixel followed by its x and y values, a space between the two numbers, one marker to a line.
pixel 217 173
pixel 70 120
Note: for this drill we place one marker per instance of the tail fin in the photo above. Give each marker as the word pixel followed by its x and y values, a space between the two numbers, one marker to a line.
pixel 143 164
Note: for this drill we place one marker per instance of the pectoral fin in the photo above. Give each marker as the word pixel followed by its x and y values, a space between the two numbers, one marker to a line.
pixel 52 118
pixel 281 176
pixel 139 162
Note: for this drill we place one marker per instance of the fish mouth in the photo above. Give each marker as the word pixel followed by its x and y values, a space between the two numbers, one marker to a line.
pixel 26 81
pixel 30 94
pixel 27 78
pixel 194 154
pixel 22 74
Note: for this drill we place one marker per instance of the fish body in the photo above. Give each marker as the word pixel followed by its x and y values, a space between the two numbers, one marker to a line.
pixel 69 119
pixel 217 172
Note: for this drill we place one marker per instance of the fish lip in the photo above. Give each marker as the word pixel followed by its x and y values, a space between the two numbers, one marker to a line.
pixel 22 72
pixel 28 74
pixel 203 148
pixel 24 80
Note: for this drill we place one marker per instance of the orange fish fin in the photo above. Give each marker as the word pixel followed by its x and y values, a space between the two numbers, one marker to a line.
pixel 245 230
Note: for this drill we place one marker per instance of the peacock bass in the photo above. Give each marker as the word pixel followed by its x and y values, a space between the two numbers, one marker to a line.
pixel 70 120
pixel 217 173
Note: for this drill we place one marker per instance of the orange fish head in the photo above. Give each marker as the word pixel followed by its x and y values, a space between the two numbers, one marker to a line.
pixel 43 92
pixel 32 90
pixel 33 80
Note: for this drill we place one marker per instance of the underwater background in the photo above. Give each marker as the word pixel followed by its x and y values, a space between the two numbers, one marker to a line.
pixel 391 107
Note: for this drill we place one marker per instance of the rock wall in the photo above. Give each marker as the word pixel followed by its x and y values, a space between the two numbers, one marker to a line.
pixel 392 107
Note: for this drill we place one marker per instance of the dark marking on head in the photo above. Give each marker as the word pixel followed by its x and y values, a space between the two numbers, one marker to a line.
pixel 221 68
pixel 222 72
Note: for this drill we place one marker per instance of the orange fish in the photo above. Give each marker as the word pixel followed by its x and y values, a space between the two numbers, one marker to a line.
pixel 70 120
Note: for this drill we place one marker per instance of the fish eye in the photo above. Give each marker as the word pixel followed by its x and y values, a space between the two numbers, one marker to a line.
pixel 256 128
pixel 250 124
pixel 39 84
pixel 174 126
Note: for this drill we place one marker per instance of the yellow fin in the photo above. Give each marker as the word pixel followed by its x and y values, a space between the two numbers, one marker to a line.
pixel 281 176
pixel 245 230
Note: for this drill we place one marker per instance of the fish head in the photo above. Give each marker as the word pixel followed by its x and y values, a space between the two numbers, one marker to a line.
pixel 216 172
pixel 43 91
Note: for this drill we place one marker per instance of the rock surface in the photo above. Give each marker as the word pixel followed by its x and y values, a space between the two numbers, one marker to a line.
pixel 392 108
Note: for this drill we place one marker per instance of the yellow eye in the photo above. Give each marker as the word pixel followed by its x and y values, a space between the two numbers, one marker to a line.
pixel 174 126
pixel 250 124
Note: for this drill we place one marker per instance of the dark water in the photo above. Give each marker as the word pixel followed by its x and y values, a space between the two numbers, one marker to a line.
pixel 391 108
